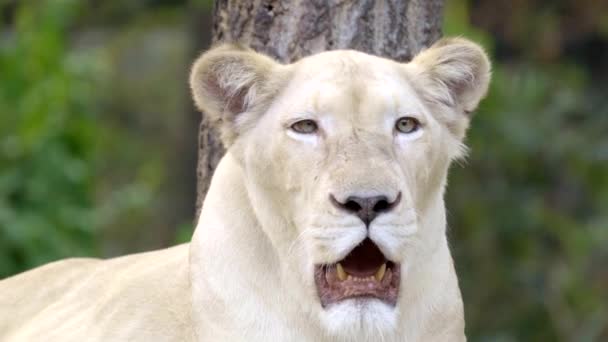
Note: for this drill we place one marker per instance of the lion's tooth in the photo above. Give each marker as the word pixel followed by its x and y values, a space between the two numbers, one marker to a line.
pixel 380 273
pixel 341 273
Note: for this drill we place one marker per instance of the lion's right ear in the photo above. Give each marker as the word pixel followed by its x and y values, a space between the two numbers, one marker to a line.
pixel 455 72
pixel 228 84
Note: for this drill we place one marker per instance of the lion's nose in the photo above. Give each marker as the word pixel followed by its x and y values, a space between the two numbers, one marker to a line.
pixel 367 208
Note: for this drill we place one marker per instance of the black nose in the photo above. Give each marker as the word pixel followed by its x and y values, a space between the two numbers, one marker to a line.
pixel 367 208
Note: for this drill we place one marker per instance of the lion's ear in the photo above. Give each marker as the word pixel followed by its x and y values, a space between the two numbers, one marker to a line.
pixel 230 82
pixel 455 72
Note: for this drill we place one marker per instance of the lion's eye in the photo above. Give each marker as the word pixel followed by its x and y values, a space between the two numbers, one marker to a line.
pixel 407 125
pixel 305 127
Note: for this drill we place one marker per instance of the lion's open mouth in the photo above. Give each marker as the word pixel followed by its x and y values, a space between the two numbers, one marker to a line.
pixel 365 272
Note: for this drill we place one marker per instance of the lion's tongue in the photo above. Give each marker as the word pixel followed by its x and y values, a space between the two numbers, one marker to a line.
pixel 363 261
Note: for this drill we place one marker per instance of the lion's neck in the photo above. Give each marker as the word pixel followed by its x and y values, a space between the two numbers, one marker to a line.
pixel 236 284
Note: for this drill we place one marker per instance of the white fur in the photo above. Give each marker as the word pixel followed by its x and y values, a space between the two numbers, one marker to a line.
pixel 360 320
pixel 267 219
pixel 311 139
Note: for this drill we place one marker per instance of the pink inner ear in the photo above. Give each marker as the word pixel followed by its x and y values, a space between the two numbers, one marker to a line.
pixel 458 86
pixel 231 104
pixel 235 104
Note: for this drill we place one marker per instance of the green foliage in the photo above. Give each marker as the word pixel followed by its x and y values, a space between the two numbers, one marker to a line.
pixel 91 110
pixel 528 213
pixel 47 133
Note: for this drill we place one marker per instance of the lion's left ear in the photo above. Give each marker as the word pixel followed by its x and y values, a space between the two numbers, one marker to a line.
pixel 454 72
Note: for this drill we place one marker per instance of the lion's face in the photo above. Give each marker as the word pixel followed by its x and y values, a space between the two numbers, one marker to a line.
pixel 346 157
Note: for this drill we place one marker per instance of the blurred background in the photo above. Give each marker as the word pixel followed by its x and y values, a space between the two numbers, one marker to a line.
pixel 98 144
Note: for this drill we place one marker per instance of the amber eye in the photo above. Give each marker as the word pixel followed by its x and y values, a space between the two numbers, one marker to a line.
pixel 305 127
pixel 407 125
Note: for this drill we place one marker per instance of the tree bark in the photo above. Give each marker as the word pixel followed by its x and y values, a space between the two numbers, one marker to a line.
pixel 291 29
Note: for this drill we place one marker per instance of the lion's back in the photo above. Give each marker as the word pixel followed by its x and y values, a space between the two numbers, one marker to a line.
pixel 26 295
pixel 141 296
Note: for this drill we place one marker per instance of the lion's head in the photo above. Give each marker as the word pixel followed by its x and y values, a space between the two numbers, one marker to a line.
pixel 345 156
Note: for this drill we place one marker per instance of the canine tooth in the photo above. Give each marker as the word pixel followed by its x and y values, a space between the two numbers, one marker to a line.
pixel 341 273
pixel 349 277
pixel 380 273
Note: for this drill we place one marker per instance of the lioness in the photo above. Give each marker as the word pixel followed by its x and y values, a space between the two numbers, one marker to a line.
pixel 325 220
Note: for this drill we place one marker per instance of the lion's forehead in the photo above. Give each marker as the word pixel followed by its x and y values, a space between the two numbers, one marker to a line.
pixel 350 85
pixel 345 67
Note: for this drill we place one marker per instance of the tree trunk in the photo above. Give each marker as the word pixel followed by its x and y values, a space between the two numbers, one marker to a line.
pixel 290 29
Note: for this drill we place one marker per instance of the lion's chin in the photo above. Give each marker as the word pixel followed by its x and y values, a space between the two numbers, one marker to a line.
pixel 363 274
pixel 360 319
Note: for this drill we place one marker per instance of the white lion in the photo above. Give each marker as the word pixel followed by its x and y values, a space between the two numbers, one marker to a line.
pixel 325 221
